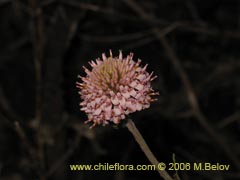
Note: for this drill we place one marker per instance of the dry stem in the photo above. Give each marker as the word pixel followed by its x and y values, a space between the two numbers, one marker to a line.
pixel 143 145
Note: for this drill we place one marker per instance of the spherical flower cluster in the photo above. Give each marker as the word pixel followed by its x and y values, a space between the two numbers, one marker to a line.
pixel 115 87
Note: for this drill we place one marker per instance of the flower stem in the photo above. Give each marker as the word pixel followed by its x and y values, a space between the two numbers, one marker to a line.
pixel 143 145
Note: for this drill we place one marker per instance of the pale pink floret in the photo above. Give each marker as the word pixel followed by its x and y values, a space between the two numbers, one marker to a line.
pixel 115 87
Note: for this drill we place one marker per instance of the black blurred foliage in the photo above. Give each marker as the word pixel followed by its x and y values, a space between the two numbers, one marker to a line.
pixel 44 44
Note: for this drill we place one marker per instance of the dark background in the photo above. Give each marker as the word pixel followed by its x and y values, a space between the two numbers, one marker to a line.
pixel 193 48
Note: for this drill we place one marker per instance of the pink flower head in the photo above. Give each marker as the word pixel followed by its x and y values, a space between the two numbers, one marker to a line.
pixel 114 88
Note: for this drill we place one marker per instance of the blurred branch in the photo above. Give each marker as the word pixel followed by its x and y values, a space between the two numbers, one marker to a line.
pixel 25 141
pixel 180 25
pixel 204 30
pixel 229 120
pixel 13 121
pixel 59 37
pixel 116 38
pixel 68 153
pixel 193 10
pixel 188 26
pixel 38 47
pixel 97 9
pixel 7 112
pixel 186 83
